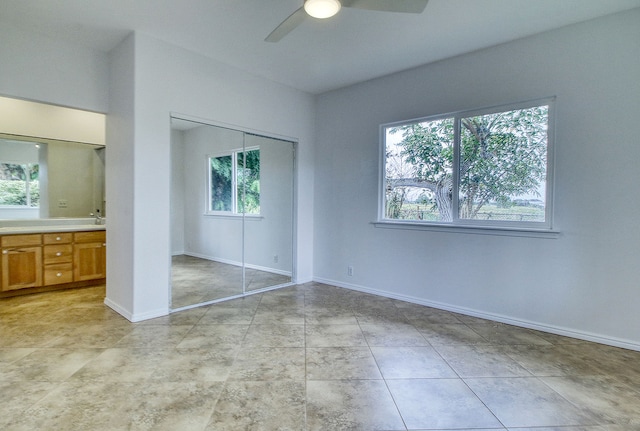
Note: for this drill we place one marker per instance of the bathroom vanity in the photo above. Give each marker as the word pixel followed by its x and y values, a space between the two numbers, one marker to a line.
pixel 45 257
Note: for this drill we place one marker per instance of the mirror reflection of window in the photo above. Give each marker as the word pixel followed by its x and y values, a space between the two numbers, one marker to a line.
pixel 21 179
pixel 19 185
pixel 221 185
pixel 248 174
pixel 234 182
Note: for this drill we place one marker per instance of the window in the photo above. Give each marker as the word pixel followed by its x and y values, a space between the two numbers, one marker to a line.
pixel 234 183
pixel 19 185
pixel 486 168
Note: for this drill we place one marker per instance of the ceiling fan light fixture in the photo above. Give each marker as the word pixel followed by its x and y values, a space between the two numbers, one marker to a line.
pixel 322 8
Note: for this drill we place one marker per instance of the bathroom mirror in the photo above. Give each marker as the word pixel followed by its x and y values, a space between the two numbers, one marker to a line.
pixel 46 178
pixel 231 213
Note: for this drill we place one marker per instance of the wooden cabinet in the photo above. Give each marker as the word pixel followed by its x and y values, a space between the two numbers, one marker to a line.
pixel 51 260
pixel 21 261
pixel 89 255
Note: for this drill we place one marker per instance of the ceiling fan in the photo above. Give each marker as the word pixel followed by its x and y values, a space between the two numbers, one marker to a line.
pixel 328 8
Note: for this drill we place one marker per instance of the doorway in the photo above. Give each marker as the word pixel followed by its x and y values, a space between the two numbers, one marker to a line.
pixel 232 213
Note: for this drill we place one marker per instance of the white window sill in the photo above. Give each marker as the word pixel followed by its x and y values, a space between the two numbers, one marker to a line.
pixel 466 229
pixel 230 216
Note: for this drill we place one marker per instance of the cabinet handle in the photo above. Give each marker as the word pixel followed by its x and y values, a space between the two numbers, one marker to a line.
pixel 5 252
pixel 59 274
pixel 58 254
pixel 104 244
pixel 58 238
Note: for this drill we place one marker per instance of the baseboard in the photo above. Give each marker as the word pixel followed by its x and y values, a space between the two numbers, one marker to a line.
pixel 133 317
pixel 236 263
pixel 303 280
pixel 149 315
pixel 572 333
pixel 118 309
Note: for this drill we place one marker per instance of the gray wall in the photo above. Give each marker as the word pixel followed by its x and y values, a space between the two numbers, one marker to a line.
pixel 585 282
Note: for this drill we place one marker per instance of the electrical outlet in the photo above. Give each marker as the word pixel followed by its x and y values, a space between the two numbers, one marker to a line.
pixel 275 258
pixel 62 203
pixel 350 271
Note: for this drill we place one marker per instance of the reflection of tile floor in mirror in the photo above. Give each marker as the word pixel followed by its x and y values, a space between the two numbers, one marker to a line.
pixel 195 280
pixel 309 357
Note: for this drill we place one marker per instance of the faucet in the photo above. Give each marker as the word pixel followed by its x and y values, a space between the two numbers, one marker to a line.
pixel 97 216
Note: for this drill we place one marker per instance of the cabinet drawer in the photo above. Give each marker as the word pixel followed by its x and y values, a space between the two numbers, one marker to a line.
pixel 57 238
pixel 58 254
pixel 21 240
pixel 58 273
pixel 90 236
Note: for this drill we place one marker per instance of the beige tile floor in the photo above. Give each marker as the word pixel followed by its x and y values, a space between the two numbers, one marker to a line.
pixel 311 357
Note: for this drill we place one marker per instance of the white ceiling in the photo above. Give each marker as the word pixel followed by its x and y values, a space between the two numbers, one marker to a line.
pixel 354 46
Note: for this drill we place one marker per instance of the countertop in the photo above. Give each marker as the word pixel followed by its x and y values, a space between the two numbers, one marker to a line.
pixel 11 230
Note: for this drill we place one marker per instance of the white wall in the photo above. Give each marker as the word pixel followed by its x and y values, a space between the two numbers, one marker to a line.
pixel 170 79
pixel 120 134
pixel 41 69
pixel 585 282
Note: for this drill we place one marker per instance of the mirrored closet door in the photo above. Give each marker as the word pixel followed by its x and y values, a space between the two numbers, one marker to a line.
pixel 231 213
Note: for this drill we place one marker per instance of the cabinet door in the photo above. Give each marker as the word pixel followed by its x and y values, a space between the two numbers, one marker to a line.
pixel 21 268
pixel 89 261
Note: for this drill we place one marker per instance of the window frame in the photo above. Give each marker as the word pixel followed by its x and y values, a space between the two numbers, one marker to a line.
pixel 458 224
pixel 234 153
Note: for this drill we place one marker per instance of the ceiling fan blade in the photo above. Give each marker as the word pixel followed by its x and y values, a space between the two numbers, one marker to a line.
pixel 286 26
pixel 405 6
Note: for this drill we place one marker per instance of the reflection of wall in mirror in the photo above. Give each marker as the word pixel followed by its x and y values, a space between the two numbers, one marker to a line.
pixel 75 180
pixel 71 177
